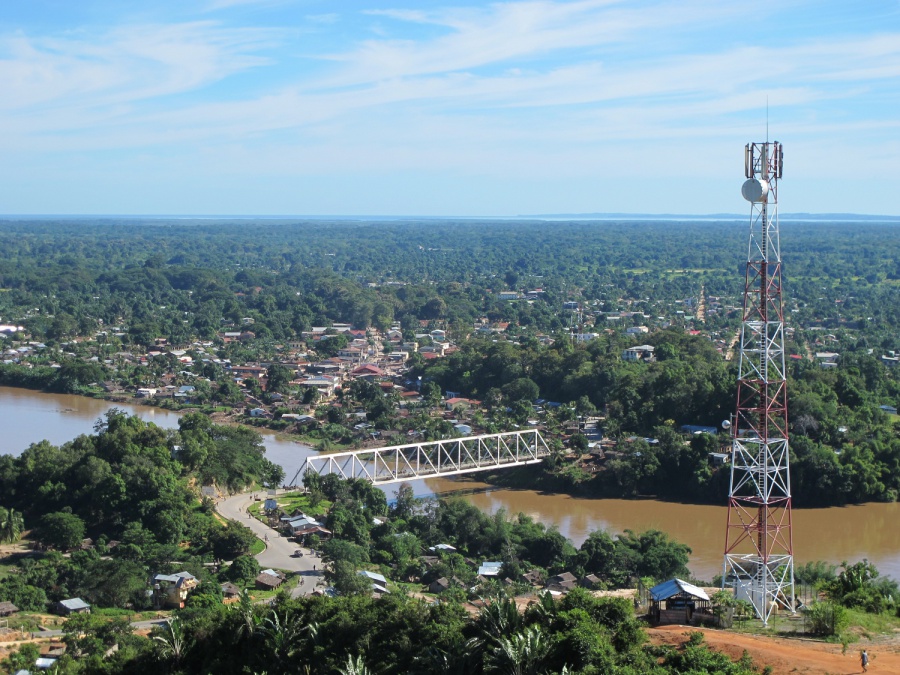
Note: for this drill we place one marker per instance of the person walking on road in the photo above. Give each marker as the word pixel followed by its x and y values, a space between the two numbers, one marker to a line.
pixel 864 661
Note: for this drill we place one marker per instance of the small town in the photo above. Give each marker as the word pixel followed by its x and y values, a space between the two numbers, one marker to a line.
pixel 533 337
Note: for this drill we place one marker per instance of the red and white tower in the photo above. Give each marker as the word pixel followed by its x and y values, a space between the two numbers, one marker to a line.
pixel 758 544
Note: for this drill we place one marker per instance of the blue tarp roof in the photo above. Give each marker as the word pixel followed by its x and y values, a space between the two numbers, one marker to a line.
pixel 673 587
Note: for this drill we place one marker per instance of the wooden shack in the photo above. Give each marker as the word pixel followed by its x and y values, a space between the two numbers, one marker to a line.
pixel 677 601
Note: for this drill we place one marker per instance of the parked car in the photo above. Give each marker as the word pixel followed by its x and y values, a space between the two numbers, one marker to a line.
pixel 297 554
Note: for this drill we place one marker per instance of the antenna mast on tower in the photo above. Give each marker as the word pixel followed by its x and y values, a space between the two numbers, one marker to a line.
pixel 759 562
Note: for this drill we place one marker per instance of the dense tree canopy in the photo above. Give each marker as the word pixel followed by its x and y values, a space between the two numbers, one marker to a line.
pixel 127 484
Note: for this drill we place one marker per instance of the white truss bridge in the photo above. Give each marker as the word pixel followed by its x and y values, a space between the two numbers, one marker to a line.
pixel 450 457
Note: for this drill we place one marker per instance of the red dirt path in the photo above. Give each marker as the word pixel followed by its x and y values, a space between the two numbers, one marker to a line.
pixel 787 655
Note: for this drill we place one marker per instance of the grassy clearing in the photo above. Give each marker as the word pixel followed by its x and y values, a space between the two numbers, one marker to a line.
pixel 870 625
pixel 290 502
pixel 323 445
pixel 5 569
pixel 258 547
pixel 862 626
pixel 114 613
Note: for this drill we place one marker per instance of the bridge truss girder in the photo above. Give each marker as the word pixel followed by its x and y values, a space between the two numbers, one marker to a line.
pixel 450 457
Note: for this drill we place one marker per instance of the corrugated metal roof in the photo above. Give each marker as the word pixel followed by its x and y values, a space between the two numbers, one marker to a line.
pixel 175 578
pixel 673 587
pixel 373 576
pixel 490 569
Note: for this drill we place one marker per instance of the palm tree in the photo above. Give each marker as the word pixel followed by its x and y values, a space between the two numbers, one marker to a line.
pixel 433 660
pixel 544 610
pixel 496 619
pixel 521 654
pixel 12 524
pixel 355 666
pixel 283 634
pixel 249 621
pixel 174 644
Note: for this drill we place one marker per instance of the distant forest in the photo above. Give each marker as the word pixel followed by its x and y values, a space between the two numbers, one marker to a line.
pixel 291 275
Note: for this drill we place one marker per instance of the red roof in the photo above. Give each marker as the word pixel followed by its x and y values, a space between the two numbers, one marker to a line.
pixel 368 369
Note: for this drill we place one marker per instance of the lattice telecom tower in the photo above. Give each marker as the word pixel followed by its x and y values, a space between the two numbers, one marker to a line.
pixel 759 561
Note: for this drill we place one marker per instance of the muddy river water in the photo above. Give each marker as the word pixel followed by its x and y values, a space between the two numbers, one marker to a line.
pixel 846 533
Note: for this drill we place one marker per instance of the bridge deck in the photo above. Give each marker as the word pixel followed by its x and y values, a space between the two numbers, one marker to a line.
pixel 449 457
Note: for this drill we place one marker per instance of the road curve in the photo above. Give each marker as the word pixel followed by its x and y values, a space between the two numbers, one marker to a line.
pixel 279 550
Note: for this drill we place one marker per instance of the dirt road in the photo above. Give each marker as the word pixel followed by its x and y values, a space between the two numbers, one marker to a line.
pixel 790 655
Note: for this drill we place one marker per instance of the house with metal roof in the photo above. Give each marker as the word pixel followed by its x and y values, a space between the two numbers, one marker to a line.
pixel 563 583
pixel 379 583
pixel 490 569
pixel 677 601
pixel 443 547
pixel 73 606
pixel 373 576
pixel 172 589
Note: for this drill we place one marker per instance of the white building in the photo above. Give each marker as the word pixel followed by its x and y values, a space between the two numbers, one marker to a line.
pixel 640 353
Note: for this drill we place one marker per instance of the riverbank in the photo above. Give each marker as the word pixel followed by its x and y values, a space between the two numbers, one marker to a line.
pixel 853 532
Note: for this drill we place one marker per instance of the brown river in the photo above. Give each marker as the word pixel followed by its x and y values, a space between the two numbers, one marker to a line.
pixel 848 533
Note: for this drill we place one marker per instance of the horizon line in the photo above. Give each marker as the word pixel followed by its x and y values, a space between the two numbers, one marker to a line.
pixel 798 215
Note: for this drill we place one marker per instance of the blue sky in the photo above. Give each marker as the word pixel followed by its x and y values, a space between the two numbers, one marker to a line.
pixel 444 108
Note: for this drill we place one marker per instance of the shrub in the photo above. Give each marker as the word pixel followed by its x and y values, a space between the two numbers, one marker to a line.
pixel 827 618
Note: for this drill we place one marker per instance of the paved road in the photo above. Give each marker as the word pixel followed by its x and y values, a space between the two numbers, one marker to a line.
pixel 279 550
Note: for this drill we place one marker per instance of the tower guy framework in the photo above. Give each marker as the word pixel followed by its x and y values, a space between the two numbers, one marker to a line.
pixel 758 544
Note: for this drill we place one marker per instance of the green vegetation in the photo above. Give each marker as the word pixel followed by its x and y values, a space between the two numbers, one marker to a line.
pixel 290 502
pixel 99 295
pixel 354 632
pixel 126 270
pixel 320 635
pixel 857 596
pixel 132 488
pixel 844 447
pixel 12 524
pixel 394 547
pixel 120 286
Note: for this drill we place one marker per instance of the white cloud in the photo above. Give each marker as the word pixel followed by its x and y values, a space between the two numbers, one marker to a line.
pixel 541 89
pixel 124 65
